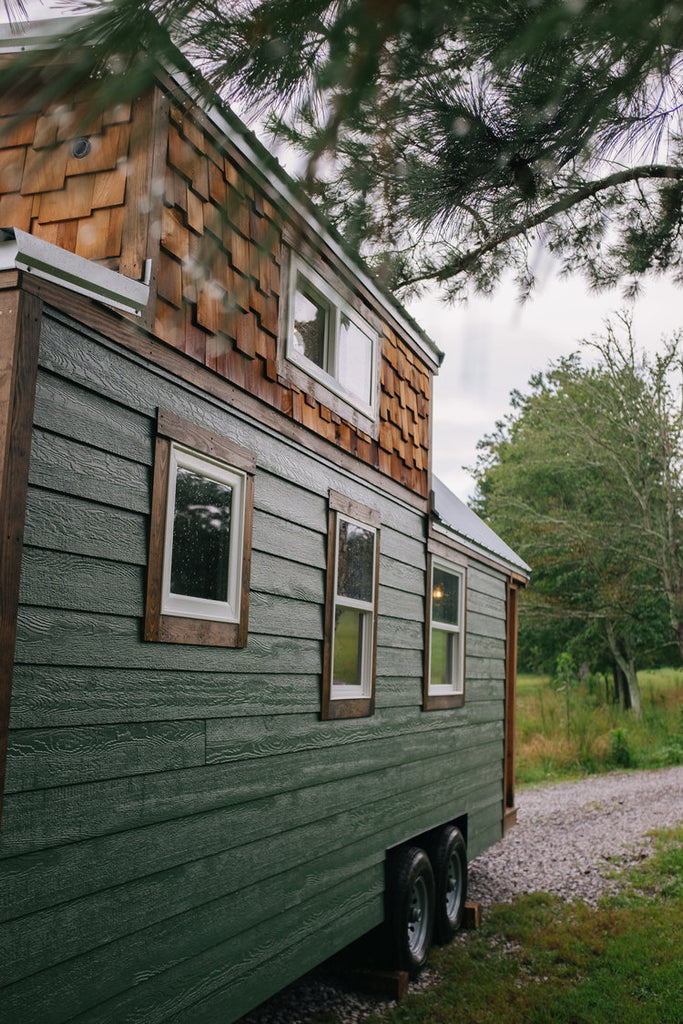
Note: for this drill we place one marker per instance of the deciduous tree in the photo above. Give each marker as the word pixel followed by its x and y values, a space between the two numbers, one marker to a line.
pixel 585 479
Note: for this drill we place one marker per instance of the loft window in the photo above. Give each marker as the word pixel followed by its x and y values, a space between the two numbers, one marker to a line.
pixel 200 537
pixel 330 340
pixel 445 646
pixel 351 613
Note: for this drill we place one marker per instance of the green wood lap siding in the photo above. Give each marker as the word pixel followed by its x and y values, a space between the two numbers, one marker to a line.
pixel 182 834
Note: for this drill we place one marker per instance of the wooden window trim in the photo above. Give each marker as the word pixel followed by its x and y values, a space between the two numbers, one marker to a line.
pixel 177 629
pixel 443 701
pixel 327 391
pixel 355 707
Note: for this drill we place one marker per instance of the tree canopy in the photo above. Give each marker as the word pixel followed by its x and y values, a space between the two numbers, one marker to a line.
pixel 447 140
pixel 585 480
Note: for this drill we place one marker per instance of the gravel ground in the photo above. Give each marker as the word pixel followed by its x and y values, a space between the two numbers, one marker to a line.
pixel 568 837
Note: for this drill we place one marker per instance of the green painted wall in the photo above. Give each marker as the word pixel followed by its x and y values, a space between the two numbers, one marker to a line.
pixel 182 836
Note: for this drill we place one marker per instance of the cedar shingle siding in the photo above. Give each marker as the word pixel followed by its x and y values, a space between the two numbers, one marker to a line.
pixel 218 272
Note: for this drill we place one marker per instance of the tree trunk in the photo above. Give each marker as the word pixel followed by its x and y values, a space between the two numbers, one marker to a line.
pixel 621 695
pixel 625 673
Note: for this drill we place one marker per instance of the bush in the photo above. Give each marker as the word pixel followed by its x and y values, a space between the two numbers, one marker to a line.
pixel 619 749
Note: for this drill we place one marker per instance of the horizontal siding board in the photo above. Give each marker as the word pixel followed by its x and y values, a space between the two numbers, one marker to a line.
pixel 39 758
pixel 485 583
pixel 83 527
pixel 58 579
pixel 275 575
pixel 399 576
pixel 289 540
pixel 484 647
pixel 289 500
pixel 408 549
pixel 73 875
pixel 420 734
pixel 485 604
pixel 291 791
pixel 280 616
pixel 48 636
pixel 399 633
pixel 46 695
pixel 69 467
pixel 226 902
pixel 398 693
pixel 174 978
pixel 400 605
pixel 485 625
pixel 68 581
pixel 479 667
pixel 70 410
pixel 392 661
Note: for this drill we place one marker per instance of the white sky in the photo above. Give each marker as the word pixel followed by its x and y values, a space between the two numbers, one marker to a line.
pixel 494 345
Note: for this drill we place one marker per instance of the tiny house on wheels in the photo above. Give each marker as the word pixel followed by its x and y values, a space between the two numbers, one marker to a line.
pixel 257 664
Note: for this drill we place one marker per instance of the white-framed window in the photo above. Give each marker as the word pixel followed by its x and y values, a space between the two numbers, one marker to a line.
pixel 329 340
pixel 201 521
pixel 350 643
pixel 202 576
pixel 354 610
pixel 445 670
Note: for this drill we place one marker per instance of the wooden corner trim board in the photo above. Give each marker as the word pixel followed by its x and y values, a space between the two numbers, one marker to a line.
pixel 20 317
pixel 512 612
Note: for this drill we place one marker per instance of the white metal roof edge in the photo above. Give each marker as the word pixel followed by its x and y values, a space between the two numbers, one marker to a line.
pixel 456 520
pixel 38 33
pixel 518 568
pixel 21 251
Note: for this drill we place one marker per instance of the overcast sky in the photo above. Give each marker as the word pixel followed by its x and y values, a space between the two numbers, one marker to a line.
pixel 494 345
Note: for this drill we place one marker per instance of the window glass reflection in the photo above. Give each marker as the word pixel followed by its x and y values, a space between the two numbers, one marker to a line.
pixel 310 328
pixel 445 597
pixel 347 668
pixel 354 360
pixel 201 536
pixel 356 558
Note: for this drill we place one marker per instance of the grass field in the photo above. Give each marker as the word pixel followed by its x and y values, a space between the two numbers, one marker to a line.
pixel 541 961
pixel 573 730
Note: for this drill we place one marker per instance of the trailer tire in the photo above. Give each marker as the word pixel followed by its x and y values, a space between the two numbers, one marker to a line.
pixel 409 918
pixel 448 855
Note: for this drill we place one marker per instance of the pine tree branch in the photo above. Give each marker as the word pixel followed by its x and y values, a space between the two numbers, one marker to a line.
pixel 472 256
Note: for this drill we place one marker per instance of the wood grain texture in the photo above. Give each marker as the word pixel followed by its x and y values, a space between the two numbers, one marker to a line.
pixel 248 801
pixel 163 798
pixel 66 523
pixel 19 341
pixel 48 695
pixel 42 758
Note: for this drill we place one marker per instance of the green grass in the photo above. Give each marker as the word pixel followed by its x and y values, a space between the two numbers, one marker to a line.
pixel 541 961
pixel 575 731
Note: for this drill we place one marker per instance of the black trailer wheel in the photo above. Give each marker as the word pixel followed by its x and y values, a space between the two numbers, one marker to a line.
pixel 410 909
pixel 448 855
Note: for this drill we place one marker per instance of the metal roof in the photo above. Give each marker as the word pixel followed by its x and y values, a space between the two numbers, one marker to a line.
pixel 456 518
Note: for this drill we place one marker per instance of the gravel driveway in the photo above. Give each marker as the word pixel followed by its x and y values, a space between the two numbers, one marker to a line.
pixel 567 837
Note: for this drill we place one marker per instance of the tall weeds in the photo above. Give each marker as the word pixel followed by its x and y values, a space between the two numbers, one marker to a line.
pixel 566 726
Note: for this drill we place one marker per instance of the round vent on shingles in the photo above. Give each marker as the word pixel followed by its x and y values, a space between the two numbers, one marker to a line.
pixel 81 148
